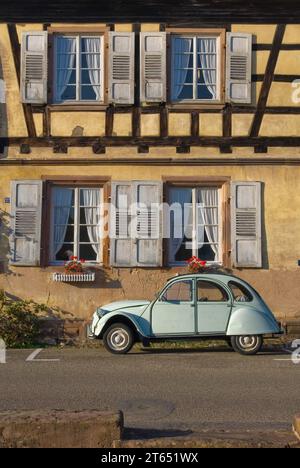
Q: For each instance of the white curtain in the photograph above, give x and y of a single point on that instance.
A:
(208, 197)
(182, 220)
(91, 198)
(181, 62)
(208, 50)
(66, 54)
(62, 208)
(92, 46)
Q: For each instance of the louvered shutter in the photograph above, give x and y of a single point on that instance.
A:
(153, 67)
(121, 240)
(246, 236)
(121, 69)
(26, 211)
(148, 199)
(34, 67)
(239, 68)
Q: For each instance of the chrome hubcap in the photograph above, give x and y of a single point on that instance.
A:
(119, 339)
(248, 342)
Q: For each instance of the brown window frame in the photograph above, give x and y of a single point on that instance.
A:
(221, 182)
(97, 182)
(194, 104)
(80, 105)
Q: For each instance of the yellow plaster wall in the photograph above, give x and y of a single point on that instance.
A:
(264, 32)
(260, 60)
(211, 125)
(38, 122)
(241, 124)
(123, 27)
(179, 124)
(282, 94)
(122, 125)
(150, 125)
(274, 125)
(292, 34)
(150, 27)
(288, 62)
(75, 123)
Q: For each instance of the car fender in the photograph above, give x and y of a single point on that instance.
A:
(251, 321)
(114, 317)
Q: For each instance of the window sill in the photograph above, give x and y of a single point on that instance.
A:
(188, 106)
(77, 107)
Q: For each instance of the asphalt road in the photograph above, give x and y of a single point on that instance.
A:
(180, 390)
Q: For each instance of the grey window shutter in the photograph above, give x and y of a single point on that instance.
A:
(246, 233)
(26, 212)
(121, 241)
(148, 241)
(239, 68)
(34, 67)
(153, 67)
(121, 68)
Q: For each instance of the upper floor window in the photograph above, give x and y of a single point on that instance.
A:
(78, 68)
(195, 73)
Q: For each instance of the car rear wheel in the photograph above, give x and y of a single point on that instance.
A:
(118, 338)
(248, 345)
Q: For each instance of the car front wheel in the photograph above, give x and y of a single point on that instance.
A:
(247, 345)
(118, 338)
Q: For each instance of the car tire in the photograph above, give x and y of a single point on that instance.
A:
(118, 338)
(247, 345)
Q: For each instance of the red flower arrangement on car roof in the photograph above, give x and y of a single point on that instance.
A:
(196, 265)
(74, 265)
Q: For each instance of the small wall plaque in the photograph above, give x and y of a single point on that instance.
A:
(7, 200)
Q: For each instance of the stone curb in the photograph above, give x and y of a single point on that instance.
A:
(60, 429)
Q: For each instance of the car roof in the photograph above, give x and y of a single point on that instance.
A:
(218, 275)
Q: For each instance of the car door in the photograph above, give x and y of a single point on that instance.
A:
(214, 306)
(174, 311)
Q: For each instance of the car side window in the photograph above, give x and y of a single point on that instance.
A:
(239, 292)
(181, 291)
(208, 291)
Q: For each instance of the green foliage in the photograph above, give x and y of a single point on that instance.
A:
(19, 321)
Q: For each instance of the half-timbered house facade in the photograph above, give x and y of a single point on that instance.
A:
(114, 111)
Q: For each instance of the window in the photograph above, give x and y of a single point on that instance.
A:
(240, 293)
(195, 224)
(195, 68)
(76, 224)
(78, 68)
(181, 291)
(210, 292)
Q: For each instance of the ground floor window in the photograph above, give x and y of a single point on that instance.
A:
(196, 227)
(76, 223)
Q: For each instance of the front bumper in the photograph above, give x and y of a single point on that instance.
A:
(89, 332)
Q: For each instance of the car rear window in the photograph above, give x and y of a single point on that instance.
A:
(240, 292)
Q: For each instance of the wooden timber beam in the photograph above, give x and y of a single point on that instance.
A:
(268, 79)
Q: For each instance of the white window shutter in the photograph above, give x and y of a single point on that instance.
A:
(121, 241)
(246, 223)
(153, 67)
(148, 200)
(239, 68)
(34, 67)
(121, 68)
(26, 215)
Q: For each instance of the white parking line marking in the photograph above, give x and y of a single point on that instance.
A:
(32, 356)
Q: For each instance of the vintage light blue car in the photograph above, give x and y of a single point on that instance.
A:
(193, 306)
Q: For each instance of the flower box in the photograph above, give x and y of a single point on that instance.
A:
(87, 277)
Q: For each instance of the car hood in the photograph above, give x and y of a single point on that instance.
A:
(125, 305)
